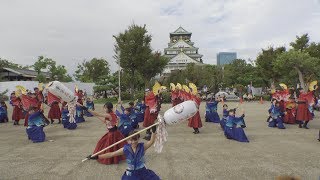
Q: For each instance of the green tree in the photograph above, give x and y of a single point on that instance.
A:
(314, 49)
(264, 65)
(106, 83)
(241, 72)
(132, 50)
(301, 43)
(153, 66)
(200, 75)
(92, 71)
(57, 72)
(297, 63)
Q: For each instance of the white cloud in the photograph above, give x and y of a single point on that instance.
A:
(70, 31)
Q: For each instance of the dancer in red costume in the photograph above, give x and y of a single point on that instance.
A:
(112, 136)
(17, 108)
(290, 115)
(195, 121)
(303, 114)
(153, 104)
(54, 112)
(39, 97)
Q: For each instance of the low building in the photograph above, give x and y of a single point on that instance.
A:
(10, 74)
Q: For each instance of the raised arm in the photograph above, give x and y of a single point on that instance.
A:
(152, 139)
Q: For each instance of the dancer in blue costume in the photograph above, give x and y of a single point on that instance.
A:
(276, 116)
(65, 116)
(90, 106)
(35, 126)
(79, 114)
(140, 109)
(134, 152)
(224, 116)
(132, 114)
(3, 112)
(211, 111)
(125, 124)
(234, 127)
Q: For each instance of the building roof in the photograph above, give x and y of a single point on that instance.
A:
(26, 72)
(180, 30)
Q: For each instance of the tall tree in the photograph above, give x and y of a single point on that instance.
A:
(92, 71)
(265, 62)
(132, 50)
(240, 72)
(301, 43)
(153, 66)
(305, 67)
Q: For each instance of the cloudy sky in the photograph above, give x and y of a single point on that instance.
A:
(70, 31)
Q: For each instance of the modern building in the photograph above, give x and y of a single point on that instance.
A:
(9, 74)
(180, 51)
(226, 57)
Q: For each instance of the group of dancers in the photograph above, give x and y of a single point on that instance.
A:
(124, 122)
(288, 109)
(232, 126)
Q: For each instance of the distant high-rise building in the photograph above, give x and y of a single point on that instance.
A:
(226, 57)
(180, 51)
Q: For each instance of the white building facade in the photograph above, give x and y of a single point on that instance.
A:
(180, 51)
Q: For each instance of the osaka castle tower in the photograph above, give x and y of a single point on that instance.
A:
(180, 51)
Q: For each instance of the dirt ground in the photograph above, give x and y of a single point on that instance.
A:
(205, 156)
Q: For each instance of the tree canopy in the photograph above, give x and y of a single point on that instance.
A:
(92, 71)
(57, 72)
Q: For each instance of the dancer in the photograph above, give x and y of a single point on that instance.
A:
(211, 110)
(40, 98)
(79, 95)
(303, 114)
(3, 112)
(195, 121)
(276, 116)
(54, 112)
(112, 136)
(35, 125)
(151, 112)
(65, 116)
(17, 109)
(125, 124)
(290, 115)
(134, 152)
(79, 113)
(224, 116)
(175, 95)
(234, 127)
(140, 110)
(89, 105)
